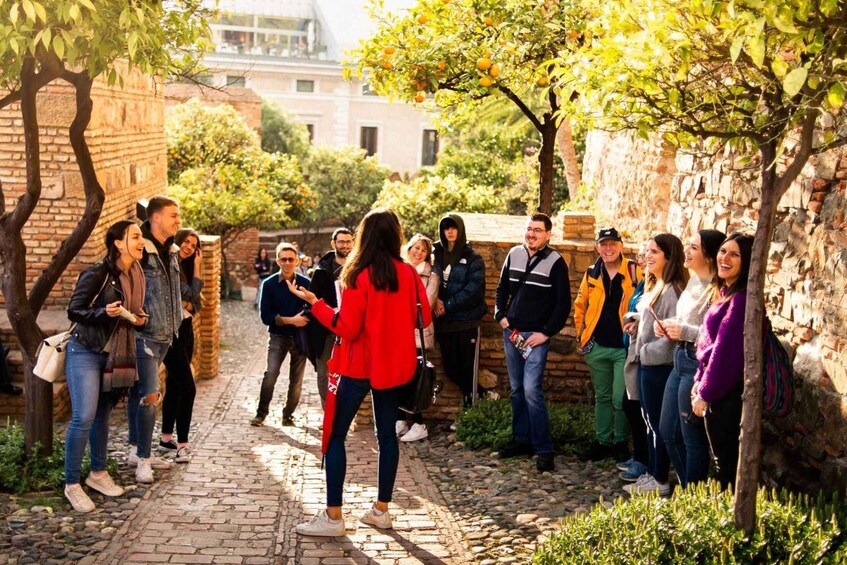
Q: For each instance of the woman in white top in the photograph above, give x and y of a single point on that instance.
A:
(410, 427)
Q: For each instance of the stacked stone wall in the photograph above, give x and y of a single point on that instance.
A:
(806, 278)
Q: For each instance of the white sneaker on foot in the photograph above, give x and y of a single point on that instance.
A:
(416, 432)
(104, 484)
(155, 462)
(144, 471)
(381, 521)
(78, 499)
(183, 455)
(648, 485)
(322, 525)
(401, 427)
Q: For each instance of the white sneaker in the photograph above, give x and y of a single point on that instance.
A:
(322, 525)
(144, 471)
(418, 431)
(155, 462)
(401, 427)
(104, 484)
(453, 427)
(78, 499)
(638, 482)
(183, 455)
(381, 521)
(649, 485)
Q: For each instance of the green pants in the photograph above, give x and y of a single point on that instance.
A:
(606, 365)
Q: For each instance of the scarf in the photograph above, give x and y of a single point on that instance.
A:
(121, 371)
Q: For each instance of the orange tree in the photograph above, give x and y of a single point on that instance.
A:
(73, 41)
(767, 77)
(452, 54)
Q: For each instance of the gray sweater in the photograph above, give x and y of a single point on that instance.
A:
(692, 306)
(654, 350)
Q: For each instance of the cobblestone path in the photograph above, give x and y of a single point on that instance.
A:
(245, 489)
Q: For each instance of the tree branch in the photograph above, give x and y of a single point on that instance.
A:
(807, 134)
(11, 98)
(523, 107)
(94, 194)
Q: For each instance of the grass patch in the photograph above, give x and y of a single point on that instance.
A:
(697, 526)
(488, 424)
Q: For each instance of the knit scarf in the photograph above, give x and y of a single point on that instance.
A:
(121, 371)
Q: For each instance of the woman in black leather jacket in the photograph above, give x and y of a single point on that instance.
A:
(104, 292)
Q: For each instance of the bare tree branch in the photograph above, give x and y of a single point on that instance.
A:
(522, 106)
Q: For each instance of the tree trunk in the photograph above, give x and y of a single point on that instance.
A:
(545, 161)
(564, 139)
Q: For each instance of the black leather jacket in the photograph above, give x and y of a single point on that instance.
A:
(94, 327)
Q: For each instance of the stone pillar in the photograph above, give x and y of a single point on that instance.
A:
(207, 326)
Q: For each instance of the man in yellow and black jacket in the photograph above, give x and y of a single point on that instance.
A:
(599, 308)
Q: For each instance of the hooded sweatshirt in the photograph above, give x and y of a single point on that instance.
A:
(462, 275)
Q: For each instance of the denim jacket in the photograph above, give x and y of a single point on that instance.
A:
(163, 298)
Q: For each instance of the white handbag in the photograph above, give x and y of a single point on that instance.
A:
(50, 359)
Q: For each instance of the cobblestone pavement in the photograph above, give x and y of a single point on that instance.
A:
(246, 488)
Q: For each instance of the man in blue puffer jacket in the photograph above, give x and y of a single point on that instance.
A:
(461, 301)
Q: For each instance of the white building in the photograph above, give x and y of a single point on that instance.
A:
(290, 51)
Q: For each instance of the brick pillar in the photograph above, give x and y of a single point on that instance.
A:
(577, 225)
(207, 326)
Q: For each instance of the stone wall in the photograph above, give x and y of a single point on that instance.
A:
(245, 100)
(807, 275)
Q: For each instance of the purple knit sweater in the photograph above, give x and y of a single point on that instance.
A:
(720, 348)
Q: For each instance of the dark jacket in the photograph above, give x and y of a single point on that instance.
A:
(463, 290)
(94, 327)
(323, 285)
(278, 300)
(543, 301)
(162, 297)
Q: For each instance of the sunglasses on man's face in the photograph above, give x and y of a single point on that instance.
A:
(287, 259)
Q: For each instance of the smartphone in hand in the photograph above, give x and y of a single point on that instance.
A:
(658, 321)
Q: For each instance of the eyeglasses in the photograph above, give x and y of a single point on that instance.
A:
(536, 231)
(287, 259)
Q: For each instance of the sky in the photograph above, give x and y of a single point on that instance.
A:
(349, 18)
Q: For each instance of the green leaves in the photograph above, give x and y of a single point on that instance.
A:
(794, 81)
(835, 96)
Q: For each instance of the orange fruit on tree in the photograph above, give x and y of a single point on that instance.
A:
(542, 81)
(442, 65)
(389, 50)
(488, 21)
(494, 71)
(483, 63)
(422, 19)
(387, 65)
(485, 81)
(420, 97)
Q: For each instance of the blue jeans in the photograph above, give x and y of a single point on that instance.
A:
(684, 432)
(141, 414)
(89, 410)
(351, 392)
(651, 382)
(530, 422)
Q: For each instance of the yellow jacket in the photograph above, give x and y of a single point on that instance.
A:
(592, 295)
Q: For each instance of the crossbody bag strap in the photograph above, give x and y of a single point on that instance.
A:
(420, 315)
(531, 264)
(93, 300)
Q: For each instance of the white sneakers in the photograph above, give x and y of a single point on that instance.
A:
(104, 484)
(322, 525)
(183, 455)
(647, 483)
(415, 433)
(401, 427)
(144, 471)
(155, 462)
(381, 520)
(78, 499)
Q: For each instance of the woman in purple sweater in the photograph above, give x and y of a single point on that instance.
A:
(720, 351)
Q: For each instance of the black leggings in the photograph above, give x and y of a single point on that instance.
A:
(637, 427)
(178, 404)
(457, 357)
(723, 426)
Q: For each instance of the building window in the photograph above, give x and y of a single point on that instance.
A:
(311, 129)
(366, 90)
(236, 81)
(367, 139)
(429, 151)
(305, 86)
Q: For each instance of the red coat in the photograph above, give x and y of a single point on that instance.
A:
(377, 329)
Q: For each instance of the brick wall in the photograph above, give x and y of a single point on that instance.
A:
(240, 255)
(806, 277)
(245, 100)
(566, 374)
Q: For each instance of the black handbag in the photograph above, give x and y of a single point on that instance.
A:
(420, 393)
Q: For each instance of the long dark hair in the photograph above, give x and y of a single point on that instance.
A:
(116, 232)
(745, 248)
(674, 275)
(378, 240)
(186, 265)
(710, 244)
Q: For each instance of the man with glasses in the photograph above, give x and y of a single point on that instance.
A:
(283, 313)
(323, 285)
(532, 304)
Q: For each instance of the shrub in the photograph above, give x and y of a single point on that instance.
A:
(697, 526)
(488, 424)
(19, 474)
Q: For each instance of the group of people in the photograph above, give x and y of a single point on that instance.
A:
(663, 339)
(131, 312)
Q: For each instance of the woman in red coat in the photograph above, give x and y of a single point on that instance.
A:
(375, 321)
